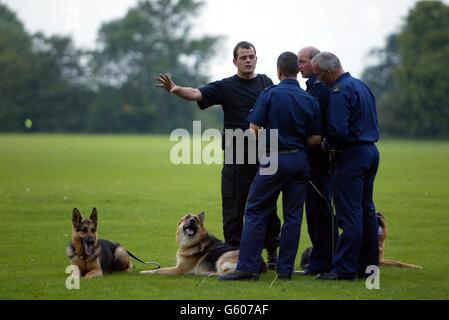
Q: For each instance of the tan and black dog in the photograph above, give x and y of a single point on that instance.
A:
(383, 233)
(382, 236)
(199, 251)
(91, 255)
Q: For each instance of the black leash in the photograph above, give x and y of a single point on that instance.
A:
(144, 262)
(317, 191)
(331, 205)
(332, 160)
(133, 256)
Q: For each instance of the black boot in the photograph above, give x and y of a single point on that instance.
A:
(239, 275)
(272, 259)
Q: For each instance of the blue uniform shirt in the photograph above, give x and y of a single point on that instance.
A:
(352, 115)
(320, 92)
(289, 109)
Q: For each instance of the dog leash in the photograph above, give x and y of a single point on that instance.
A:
(330, 206)
(144, 262)
(133, 256)
(316, 189)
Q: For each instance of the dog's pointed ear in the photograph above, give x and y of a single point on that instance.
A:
(94, 215)
(76, 217)
(201, 217)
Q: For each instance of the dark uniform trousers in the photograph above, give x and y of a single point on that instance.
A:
(321, 223)
(236, 180)
(353, 184)
(292, 179)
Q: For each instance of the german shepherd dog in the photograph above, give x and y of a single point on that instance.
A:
(199, 251)
(91, 255)
(382, 234)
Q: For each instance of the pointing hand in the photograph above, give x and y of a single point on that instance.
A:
(165, 82)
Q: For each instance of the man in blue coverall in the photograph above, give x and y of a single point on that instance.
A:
(321, 224)
(296, 117)
(351, 135)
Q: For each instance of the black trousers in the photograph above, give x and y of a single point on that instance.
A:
(236, 180)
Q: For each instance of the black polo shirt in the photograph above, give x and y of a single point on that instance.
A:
(237, 97)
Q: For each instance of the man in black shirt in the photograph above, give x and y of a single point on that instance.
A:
(237, 96)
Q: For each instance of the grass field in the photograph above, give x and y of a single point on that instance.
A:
(140, 196)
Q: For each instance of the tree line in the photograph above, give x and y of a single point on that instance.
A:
(49, 85)
(411, 79)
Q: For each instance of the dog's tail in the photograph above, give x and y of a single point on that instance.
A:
(157, 265)
(399, 264)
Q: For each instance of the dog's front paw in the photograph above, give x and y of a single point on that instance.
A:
(94, 274)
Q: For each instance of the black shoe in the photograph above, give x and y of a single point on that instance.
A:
(284, 276)
(307, 272)
(334, 276)
(363, 275)
(272, 259)
(272, 263)
(239, 275)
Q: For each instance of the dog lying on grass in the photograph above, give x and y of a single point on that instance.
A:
(199, 251)
(383, 234)
(91, 255)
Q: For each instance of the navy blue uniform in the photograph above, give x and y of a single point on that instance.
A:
(237, 97)
(295, 114)
(321, 224)
(353, 130)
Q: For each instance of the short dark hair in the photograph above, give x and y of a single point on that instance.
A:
(244, 45)
(288, 63)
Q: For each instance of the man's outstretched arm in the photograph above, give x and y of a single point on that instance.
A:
(187, 93)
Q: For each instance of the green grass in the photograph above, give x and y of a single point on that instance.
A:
(140, 196)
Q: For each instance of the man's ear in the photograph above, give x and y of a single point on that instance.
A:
(234, 61)
(279, 73)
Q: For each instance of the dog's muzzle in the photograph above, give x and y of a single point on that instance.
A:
(89, 244)
(190, 228)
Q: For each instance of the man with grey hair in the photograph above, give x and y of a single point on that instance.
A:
(321, 223)
(352, 131)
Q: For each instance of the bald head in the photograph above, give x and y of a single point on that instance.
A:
(305, 55)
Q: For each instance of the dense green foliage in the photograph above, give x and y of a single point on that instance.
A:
(111, 88)
(411, 81)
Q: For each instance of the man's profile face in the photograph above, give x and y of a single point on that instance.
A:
(245, 61)
(322, 75)
(305, 67)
